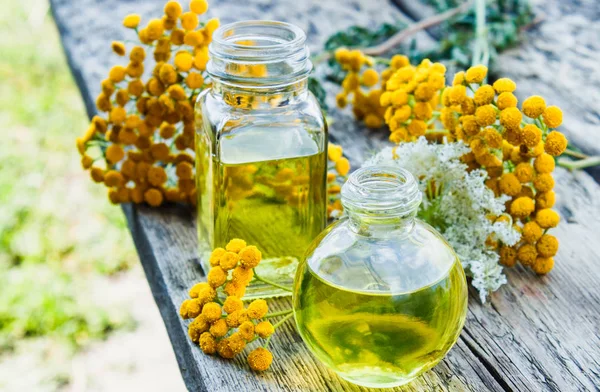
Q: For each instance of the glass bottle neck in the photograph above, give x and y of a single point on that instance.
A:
(381, 201)
(252, 97)
(263, 59)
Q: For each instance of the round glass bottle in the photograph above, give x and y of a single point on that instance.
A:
(380, 297)
(261, 142)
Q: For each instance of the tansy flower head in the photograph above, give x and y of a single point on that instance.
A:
(534, 106)
(208, 343)
(246, 330)
(219, 328)
(556, 143)
(508, 256)
(211, 312)
(510, 118)
(250, 256)
(484, 95)
(543, 265)
(531, 232)
(228, 260)
(504, 85)
(522, 207)
(215, 256)
(257, 309)
(547, 218)
(547, 246)
(264, 329)
(118, 48)
(527, 254)
(543, 182)
(216, 277)
(232, 304)
(545, 199)
(197, 328)
(131, 21)
(552, 116)
(235, 245)
(544, 163)
(476, 74)
(260, 359)
(509, 184)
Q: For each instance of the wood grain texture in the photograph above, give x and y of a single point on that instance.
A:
(536, 334)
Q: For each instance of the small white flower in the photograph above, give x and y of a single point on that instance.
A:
(460, 207)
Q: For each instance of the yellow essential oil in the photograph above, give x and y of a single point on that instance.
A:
(278, 205)
(380, 296)
(379, 339)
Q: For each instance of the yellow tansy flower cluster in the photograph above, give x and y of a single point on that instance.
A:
(516, 147)
(365, 103)
(338, 170)
(222, 324)
(141, 144)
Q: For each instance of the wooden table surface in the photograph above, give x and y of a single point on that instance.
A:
(535, 334)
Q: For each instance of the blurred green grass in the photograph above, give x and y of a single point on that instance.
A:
(57, 229)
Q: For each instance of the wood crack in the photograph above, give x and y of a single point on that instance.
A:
(470, 343)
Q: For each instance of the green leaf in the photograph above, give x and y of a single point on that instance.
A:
(319, 92)
(356, 36)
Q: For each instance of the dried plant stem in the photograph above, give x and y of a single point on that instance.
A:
(580, 164)
(397, 38)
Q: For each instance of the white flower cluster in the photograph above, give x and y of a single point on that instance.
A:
(458, 204)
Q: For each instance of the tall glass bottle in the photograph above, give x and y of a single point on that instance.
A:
(261, 146)
(381, 297)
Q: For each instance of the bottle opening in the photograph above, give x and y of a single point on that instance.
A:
(259, 53)
(381, 190)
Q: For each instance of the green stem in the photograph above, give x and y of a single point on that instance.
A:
(575, 154)
(481, 52)
(283, 320)
(283, 312)
(581, 164)
(267, 342)
(267, 281)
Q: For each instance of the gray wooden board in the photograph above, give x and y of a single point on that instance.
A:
(536, 333)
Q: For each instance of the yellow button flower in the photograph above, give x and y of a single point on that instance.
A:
(509, 184)
(544, 163)
(504, 85)
(173, 9)
(556, 143)
(531, 232)
(118, 48)
(264, 329)
(208, 343)
(543, 265)
(552, 116)
(235, 245)
(527, 254)
(547, 218)
(531, 135)
(484, 95)
(132, 21)
(257, 309)
(189, 21)
(199, 6)
(507, 100)
(260, 359)
(534, 106)
(547, 246)
(232, 304)
(545, 199)
(543, 182)
(216, 277)
(522, 207)
(153, 197)
(511, 118)
(508, 256)
(476, 74)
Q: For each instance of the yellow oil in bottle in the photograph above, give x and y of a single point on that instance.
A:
(379, 339)
(272, 196)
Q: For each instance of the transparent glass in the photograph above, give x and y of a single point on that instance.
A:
(261, 140)
(380, 297)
